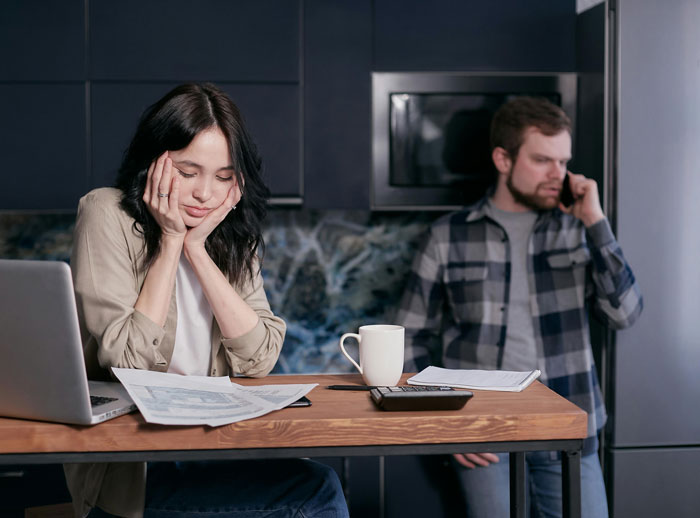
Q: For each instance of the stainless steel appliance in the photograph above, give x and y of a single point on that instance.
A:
(653, 157)
(430, 141)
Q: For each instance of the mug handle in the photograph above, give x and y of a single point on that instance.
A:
(342, 348)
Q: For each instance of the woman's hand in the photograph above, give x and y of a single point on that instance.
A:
(162, 194)
(233, 314)
(196, 236)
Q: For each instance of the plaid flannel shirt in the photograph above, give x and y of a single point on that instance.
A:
(455, 305)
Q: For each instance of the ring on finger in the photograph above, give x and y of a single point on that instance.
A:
(162, 195)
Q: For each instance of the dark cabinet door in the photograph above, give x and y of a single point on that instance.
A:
(42, 41)
(42, 104)
(448, 35)
(271, 112)
(337, 64)
(73, 109)
(204, 40)
(43, 146)
(139, 50)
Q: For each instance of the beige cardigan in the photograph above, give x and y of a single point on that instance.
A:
(107, 252)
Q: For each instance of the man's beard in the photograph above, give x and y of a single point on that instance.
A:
(531, 201)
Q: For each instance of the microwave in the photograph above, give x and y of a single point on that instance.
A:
(430, 133)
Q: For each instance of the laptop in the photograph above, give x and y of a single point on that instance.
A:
(42, 370)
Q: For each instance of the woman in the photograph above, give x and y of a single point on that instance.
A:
(167, 279)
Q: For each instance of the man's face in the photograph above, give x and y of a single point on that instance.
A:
(535, 178)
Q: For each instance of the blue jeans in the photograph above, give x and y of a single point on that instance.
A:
(486, 489)
(287, 488)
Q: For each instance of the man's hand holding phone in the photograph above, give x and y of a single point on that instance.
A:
(579, 197)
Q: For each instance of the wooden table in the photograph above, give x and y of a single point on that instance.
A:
(339, 423)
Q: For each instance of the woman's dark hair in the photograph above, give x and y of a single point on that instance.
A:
(170, 125)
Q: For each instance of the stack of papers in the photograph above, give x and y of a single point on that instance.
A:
(509, 381)
(166, 398)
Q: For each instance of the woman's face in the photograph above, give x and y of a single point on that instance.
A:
(206, 175)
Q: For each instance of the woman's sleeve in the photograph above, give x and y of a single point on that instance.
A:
(255, 353)
(104, 269)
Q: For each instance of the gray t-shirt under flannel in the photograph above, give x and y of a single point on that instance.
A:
(520, 351)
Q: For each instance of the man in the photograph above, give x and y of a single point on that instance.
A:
(506, 283)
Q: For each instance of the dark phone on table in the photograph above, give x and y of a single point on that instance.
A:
(302, 401)
(566, 197)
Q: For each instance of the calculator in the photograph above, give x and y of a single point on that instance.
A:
(419, 398)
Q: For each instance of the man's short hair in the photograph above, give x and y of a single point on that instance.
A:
(514, 117)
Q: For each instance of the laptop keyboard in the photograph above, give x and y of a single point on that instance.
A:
(100, 400)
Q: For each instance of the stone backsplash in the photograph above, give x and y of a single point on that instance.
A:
(326, 272)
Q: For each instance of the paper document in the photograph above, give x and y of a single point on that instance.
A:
(509, 381)
(166, 398)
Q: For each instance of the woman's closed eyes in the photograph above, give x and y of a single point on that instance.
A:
(192, 175)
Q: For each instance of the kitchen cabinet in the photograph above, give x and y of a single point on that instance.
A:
(43, 145)
(42, 41)
(74, 107)
(299, 69)
(271, 112)
(207, 40)
(337, 88)
(509, 35)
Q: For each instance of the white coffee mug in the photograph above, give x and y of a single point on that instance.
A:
(381, 353)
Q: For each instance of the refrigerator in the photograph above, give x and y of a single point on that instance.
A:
(652, 194)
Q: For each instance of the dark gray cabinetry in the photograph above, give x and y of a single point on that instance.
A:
(42, 104)
(139, 50)
(413, 35)
(43, 145)
(271, 111)
(76, 76)
(337, 65)
(42, 41)
(300, 69)
(212, 40)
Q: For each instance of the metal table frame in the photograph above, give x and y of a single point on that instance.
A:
(570, 458)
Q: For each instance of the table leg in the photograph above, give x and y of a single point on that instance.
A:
(571, 483)
(517, 484)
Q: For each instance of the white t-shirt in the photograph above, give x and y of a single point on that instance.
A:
(192, 353)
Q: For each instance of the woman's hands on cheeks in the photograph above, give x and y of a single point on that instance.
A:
(197, 236)
(586, 206)
(164, 209)
(472, 460)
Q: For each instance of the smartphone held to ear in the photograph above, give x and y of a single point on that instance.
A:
(566, 197)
